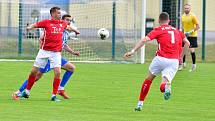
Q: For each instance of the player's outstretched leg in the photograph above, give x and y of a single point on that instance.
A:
(31, 81)
(16, 95)
(70, 68)
(144, 91)
(65, 79)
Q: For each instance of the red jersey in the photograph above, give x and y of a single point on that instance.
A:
(53, 32)
(169, 41)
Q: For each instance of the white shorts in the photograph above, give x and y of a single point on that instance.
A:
(167, 67)
(43, 56)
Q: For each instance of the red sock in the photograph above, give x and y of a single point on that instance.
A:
(145, 89)
(162, 87)
(56, 84)
(31, 80)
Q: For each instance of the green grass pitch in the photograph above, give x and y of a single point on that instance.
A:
(109, 92)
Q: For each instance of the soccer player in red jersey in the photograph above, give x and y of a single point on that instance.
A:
(50, 49)
(166, 61)
(66, 65)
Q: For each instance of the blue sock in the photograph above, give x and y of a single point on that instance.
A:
(65, 78)
(24, 85)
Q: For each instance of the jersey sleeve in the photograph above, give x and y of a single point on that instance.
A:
(41, 24)
(153, 34)
(195, 20)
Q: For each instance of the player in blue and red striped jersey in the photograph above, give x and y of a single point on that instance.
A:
(167, 57)
(50, 49)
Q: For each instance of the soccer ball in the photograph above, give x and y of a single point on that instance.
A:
(103, 33)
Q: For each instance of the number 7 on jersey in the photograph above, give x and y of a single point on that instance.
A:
(172, 36)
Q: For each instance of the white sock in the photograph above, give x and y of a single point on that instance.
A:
(27, 92)
(140, 103)
(53, 95)
(17, 92)
(60, 88)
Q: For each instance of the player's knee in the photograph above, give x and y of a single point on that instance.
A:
(192, 50)
(57, 73)
(150, 77)
(71, 68)
(34, 71)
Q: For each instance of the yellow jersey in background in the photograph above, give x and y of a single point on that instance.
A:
(189, 23)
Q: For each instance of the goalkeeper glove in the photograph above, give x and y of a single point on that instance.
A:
(187, 34)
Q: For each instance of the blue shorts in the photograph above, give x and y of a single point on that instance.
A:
(47, 67)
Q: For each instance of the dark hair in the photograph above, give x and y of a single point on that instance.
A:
(66, 15)
(164, 16)
(53, 9)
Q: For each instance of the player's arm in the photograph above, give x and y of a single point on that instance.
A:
(31, 27)
(196, 22)
(71, 28)
(70, 50)
(136, 47)
(186, 46)
(40, 24)
(186, 43)
(197, 27)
